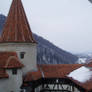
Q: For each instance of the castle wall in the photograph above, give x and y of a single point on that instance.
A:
(13, 83)
(30, 55)
(61, 87)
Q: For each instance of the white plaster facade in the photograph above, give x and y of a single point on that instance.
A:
(30, 56)
(13, 83)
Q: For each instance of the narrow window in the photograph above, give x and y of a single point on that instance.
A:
(14, 71)
(22, 55)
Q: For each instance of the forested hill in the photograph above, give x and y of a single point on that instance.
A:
(2, 21)
(48, 53)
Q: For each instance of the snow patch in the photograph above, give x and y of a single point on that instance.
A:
(82, 74)
(81, 60)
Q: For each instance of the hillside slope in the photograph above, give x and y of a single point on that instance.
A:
(48, 53)
(2, 21)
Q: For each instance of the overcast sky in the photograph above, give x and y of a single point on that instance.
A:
(66, 23)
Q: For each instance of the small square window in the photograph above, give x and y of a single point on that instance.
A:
(14, 71)
(22, 55)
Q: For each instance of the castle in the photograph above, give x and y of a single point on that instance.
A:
(17, 49)
(18, 69)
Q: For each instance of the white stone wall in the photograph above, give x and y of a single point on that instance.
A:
(38, 89)
(13, 83)
(30, 50)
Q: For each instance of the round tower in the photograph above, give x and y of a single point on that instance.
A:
(17, 36)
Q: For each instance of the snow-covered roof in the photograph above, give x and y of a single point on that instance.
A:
(82, 74)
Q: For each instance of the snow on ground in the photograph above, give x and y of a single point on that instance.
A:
(81, 74)
(81, 60)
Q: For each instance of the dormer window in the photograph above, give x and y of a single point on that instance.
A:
(14, 71)
(22, 55)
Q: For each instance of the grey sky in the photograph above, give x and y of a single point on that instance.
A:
(66, 23)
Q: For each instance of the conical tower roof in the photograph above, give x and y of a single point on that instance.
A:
(16, 28)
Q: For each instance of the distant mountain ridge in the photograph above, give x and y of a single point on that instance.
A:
(90, 1)
(48, 53)
(2, 21)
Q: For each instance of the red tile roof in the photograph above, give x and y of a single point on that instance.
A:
(86, 85)
(9, 60)
(33, 76)
(57, 71)
(51, 71)
(16, 28)
(3, 74)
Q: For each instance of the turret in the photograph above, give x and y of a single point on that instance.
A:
(17, 37)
